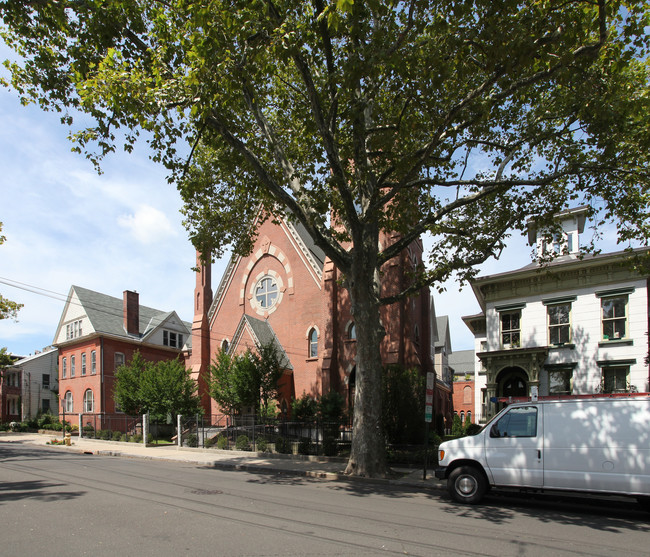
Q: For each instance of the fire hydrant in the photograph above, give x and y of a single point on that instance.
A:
(68, 441)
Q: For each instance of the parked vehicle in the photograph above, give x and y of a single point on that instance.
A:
(586, 445)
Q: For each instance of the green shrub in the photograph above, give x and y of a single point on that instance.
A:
(456, 426)
(209, 442)
(117, 435)
(222, 443)
(305, 445)
(304, 409)
(283, 445)
(330, 446)
(192, 440)
(104, 434)
(150, 438)
(472, 429)
(88, 431)
(124, 438)
(262, 444)
(242, 443)
(137, 438)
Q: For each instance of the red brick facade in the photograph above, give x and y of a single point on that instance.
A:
(308, 296)
(464, 400)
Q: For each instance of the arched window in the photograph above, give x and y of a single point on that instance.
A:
(313, 343)
(89, 401)
(352, 331)
(467, 394)
(469, 417)
(67, 399)
(224, 346)
(462, 416)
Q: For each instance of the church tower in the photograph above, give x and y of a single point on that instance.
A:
(200, 359)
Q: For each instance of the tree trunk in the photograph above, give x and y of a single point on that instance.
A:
(368, 455)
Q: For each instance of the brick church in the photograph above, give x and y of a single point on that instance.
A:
(289, 293)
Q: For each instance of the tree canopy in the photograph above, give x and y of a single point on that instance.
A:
(458, 119)
(8, 309)
(162, 388)
(245, 380)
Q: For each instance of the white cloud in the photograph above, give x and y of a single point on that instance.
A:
(148, 225)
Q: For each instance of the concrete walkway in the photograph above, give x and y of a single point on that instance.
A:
(297, 465)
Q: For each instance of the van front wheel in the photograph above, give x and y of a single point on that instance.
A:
(466, 484)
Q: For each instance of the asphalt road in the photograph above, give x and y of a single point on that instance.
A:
(57, 503)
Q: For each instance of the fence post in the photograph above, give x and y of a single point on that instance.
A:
(145, 428)
(81, 419)
(179, 431)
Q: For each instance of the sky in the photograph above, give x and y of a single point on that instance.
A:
(122, 230)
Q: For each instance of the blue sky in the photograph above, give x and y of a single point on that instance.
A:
(121, 230)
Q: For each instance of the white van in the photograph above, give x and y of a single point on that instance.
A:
(599, 445)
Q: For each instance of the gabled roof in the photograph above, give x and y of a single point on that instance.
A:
(263, 334)
(106, 314)
(314, 257)
(444, 338)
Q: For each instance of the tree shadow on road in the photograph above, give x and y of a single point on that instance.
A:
(39, 490)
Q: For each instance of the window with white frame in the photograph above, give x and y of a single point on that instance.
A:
(119, 359)
(73, 330)
(72, 366)
(172, 339)
(67, 402)
(46, 380)
(13, 406)
(93, 362)
(559, 381)
(266, 292)
(615, 379)
(313, 343)
(64, 368)
(614, 316)
(510, 328)
(83, 363)
(559, 323)
(89, 401)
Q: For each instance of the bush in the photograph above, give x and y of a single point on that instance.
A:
(305, 446)
(403, 404)
(88, 431)
(222, 443)
(104, 434)
(209, 442)
(330, 446)
(242, 443)
(283, 445)
(117, 435)
(304, 409)
(192, 440)
(472, 429)
(261, 444)
(456, 426)
(124, 438)
(137, 438)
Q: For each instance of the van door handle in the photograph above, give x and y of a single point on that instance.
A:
(539, 454)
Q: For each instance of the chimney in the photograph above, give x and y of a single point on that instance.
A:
(131, 312)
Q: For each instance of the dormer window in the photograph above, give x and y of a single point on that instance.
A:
(172, 339)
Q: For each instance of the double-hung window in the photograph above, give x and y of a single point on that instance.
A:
(510, 328)
(559, 323)
(615, 379)
(614, 317)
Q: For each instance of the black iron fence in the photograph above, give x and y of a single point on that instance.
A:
(110, 427)
(249, 433)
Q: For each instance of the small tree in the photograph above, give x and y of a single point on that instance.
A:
(126, 392)
(221, 384)
(167, 389)
(304, 409)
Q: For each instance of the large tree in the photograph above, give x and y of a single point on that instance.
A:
(454, 118)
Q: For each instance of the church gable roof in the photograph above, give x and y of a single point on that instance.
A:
(262, 334)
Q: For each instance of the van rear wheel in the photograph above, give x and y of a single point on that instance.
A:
(644, 501)
(466, 484)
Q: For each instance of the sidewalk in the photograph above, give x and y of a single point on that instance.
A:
(296, 465)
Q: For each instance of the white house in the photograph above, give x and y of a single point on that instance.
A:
(577, 326)
(38, 378)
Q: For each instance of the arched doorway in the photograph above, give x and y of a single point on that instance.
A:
(512, 382)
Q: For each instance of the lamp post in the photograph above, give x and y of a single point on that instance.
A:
(63, 419)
